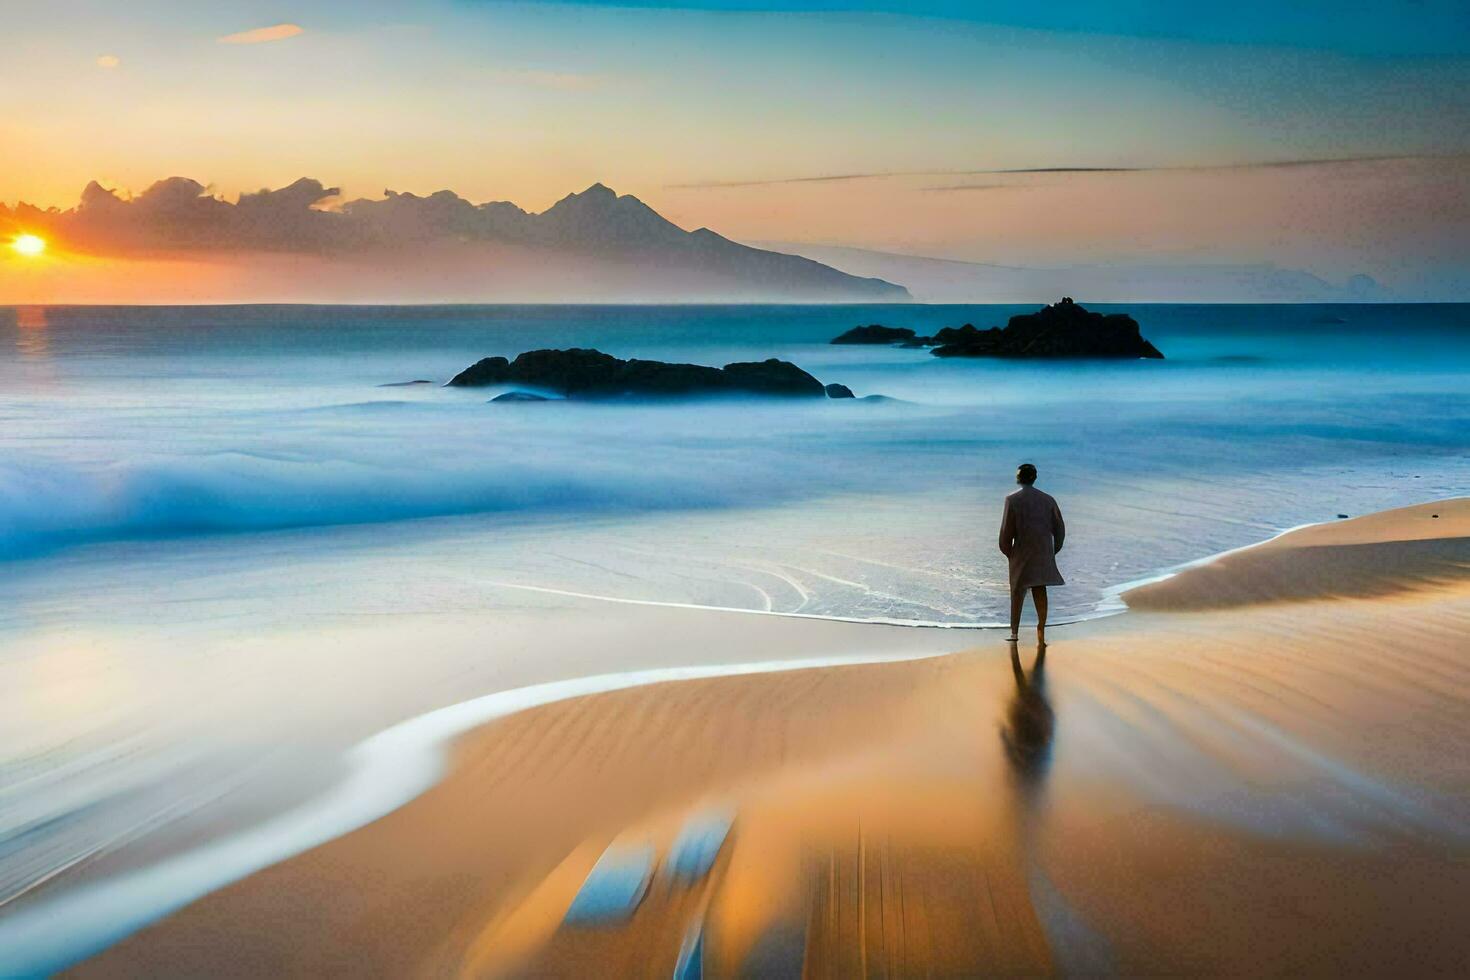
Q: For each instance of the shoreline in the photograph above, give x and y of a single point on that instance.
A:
(777, 614)
(1113, 596)
(429, 737)
(91, 919)
(1109, 605)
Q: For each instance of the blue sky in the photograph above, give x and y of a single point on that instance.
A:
(1348, 26)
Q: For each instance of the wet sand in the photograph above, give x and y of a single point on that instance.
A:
(1263, 768)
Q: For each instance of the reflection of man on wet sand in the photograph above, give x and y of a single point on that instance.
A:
(1029, 719)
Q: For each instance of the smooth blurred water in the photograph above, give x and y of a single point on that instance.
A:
(156, 424)
(195, 503)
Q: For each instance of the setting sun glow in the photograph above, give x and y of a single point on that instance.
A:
(28, 244)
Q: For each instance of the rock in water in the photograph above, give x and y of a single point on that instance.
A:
(557, 370)
(875, 333)
(520, 396)
(579, 373)
(772, 377)
(1061, 330)
(835, 390)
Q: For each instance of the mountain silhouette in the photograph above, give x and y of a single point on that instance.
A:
(599, 220)
(598, 217)
(591, 246)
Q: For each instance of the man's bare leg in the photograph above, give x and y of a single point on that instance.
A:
(1038, 599)
(1018, 599)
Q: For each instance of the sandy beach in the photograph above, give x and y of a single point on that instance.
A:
(1260, 768)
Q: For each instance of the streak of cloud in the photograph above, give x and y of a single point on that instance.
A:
(974, 187)
(822, 178)
(1073, 170)
(108, 61)
(888, 174)
(262, 35)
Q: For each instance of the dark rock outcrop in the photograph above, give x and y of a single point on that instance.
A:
(405, 384)
(960, 335)
(1062, 330)
(835, 390)
(875, 333)
(579, 373)
(772, 377)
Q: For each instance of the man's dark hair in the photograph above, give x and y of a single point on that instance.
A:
(1026, 473)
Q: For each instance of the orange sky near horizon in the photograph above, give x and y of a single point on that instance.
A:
(1343, 217)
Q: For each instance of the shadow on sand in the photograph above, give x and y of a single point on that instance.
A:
(1029, 722)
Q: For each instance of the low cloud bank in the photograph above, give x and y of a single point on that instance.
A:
(181, 215)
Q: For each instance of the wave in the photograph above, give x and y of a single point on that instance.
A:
(335, 467)
(784, 614)
(43, 506)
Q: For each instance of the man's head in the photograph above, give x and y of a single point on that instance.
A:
(1025, 474)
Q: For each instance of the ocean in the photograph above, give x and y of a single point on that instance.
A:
(208, 513)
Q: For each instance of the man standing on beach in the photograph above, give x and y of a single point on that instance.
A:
(1031, 533)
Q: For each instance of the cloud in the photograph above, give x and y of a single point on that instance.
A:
(262, 35)
(974, 187)
(180, 215)
(886, 174)
(1071, 170)
(108, 61)
(819, 179)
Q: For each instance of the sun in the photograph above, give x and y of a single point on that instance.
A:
(28, 244)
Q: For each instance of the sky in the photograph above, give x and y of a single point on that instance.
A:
(868, 123)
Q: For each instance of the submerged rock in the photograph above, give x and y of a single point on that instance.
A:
(405, 384)
(520, 396)
(835, 390)
(580, 373)
(875, 333)
(1062, 330)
